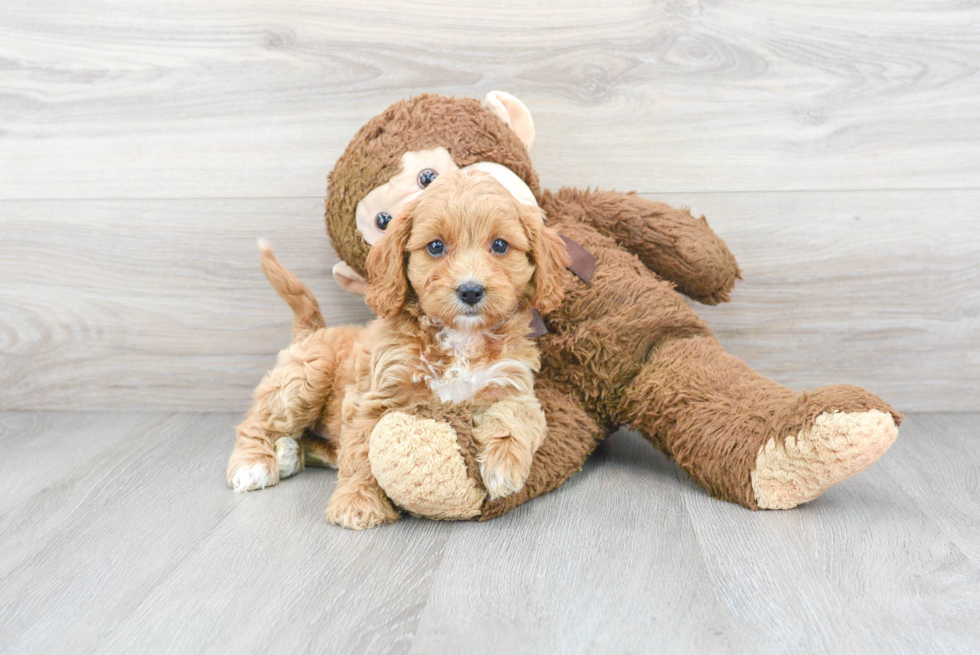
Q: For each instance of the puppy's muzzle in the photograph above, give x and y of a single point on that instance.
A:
(470, 293)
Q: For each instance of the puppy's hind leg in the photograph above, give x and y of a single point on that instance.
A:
(288, 400)
(293, 456)
(318, 450)
(358, 502)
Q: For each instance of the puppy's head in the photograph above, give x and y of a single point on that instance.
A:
(468, 253)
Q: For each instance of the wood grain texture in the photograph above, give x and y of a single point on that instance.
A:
(240, 98)
(143, 147)
(871, 572)
(146, 544)
(147, 304)
(122, 537)
(943, 478)
(153, 304)
(611, 565)
(876, 289)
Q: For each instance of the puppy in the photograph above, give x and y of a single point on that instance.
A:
(453, 280)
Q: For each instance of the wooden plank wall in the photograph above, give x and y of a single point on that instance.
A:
(144, 147)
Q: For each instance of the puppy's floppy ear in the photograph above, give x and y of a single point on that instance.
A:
(550, 256)
(387, 283)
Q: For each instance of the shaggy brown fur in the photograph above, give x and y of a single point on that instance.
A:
(428, 345)
(624, 349)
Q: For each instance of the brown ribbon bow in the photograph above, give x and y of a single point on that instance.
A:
(583, 265)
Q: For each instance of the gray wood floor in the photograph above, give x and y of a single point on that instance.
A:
(118, 535)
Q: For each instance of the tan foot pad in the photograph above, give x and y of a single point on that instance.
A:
(418, 464)
(837, 446)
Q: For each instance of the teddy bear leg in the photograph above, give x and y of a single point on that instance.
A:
(834, 447)
(418, 460)
(426, 459)
(748, 439)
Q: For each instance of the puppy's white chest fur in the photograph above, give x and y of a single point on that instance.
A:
(460, 381)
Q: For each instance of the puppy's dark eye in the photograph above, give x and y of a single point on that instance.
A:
(382, 220)
(499, 246)
(436, 248)
(426, 177)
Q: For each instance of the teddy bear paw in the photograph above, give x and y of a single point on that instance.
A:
(837, 446)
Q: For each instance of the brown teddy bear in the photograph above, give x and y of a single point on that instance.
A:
(623, 349)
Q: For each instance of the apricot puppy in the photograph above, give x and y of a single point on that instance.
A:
(454, 279)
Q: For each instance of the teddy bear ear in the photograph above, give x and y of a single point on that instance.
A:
(349, 280)
(513, 112)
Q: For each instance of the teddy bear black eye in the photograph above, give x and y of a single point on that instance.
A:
(436, 248)
(499, 246)
(382, 220)
(426, 177)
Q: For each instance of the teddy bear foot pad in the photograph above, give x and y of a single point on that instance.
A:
(837, 446)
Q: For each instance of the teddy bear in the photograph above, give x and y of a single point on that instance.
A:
(624, 348)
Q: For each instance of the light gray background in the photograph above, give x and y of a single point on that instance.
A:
(144, 146)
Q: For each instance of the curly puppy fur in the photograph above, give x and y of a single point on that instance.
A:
(429, 344)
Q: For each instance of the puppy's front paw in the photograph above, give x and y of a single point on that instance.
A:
(357, 509)
(504, 466)
(258, 474)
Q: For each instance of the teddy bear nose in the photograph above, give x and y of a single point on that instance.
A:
(470, 293)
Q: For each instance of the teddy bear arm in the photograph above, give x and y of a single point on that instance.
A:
(671, 242)
(425, 457)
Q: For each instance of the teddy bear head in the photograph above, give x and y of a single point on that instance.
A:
(399, 152)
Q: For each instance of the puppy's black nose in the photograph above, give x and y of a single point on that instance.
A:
(470, 293)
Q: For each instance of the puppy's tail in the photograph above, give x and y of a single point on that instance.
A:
(308, 318)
